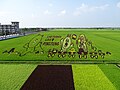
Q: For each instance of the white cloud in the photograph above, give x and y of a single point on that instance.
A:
(33, 16)
(4, 13)
(62, 13)
(50, 4)
(118, 4)
(84, 8)
(47, 12)
(103, 7)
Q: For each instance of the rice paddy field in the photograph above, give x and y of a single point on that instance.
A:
(86, 77)
(105, 40)
(102, 76)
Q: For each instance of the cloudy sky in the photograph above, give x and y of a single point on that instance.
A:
(61, 13)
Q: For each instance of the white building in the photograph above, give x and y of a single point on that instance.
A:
(12, 28)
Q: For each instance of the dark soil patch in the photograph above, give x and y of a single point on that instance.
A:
(50, 77)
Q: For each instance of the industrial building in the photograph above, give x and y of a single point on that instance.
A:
(9, 29)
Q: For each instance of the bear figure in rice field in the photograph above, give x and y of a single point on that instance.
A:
(82, 46)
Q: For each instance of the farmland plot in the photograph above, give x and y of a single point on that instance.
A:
(90, 77)
(86, 77)
(112, 72)
(13, 76)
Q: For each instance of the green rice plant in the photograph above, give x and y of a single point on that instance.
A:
(112, 72)
(90, 77)
(13, 76)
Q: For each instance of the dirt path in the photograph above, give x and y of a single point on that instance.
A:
(50, 77)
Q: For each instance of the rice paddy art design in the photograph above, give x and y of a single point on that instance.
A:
(71, 46)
